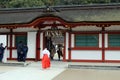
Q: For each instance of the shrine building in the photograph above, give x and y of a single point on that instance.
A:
(87, 33)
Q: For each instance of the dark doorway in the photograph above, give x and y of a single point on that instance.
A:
(55, 44)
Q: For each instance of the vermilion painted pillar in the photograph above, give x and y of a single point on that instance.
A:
(103, 44)
(11, 31)
(69, 49)
(38, 46)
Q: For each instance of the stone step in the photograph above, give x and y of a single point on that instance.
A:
(94, 67)
(14, 64)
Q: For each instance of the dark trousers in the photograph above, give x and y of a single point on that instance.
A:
(20, 56)
(59, 54)
(1, 57)
(24, 56)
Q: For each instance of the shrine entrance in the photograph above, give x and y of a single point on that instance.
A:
(51, 35)
(54, 42)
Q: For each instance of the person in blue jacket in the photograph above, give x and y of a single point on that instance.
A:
(1, 51)
(19, 51)
(25, 50)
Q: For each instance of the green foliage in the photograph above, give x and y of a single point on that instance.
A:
(39, 3)
(51, 2)
(25, 3)
(4, 3)
(78, 2)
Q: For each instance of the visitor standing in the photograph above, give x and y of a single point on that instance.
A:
(19, 51)
(1, 51)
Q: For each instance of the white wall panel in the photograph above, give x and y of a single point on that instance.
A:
(14, 53)
(112, 55)
(41, 44)
(13, 40)
(106, 40)
(3, 39)
(31, 36)
(8, 40)
(86, 28)
(67, 44)
(86, 55)
(113, 27)
(4, 30)
(8, 54)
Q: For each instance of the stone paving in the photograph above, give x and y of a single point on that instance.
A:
(33, 71)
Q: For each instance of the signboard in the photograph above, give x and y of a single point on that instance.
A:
(58, 40)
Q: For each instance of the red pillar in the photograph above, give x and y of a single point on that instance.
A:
(103, 44)
(38, 46)
(11, 31)
(69, 49)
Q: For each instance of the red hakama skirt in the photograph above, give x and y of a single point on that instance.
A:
(45, 61)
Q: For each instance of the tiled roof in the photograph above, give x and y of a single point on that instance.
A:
(94, 13)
